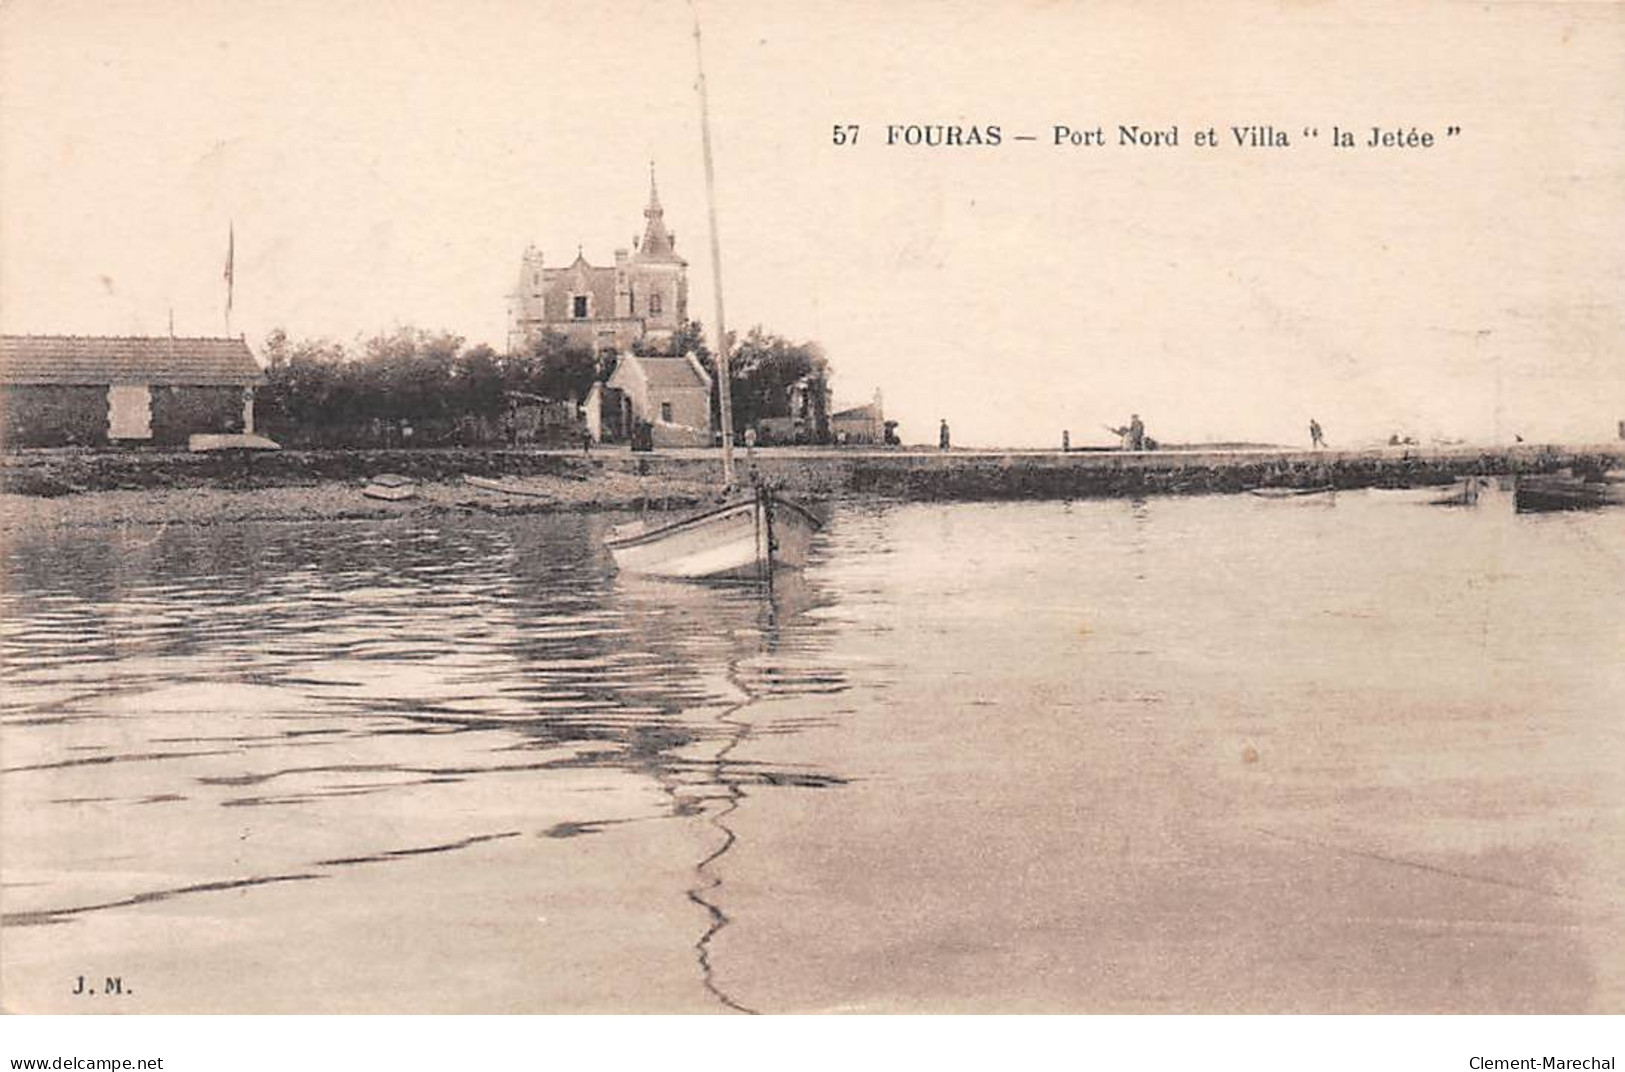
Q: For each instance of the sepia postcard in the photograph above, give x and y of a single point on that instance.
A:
(812, 507)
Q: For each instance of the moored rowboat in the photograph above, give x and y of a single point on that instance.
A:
(742, 539)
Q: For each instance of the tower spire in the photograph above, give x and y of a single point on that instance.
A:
(657, 244)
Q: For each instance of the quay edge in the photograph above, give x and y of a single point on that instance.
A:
(816, 472)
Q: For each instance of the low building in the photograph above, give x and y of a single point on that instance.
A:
(531, 419)
(805, 418)
(671, 394)
(862, 424)
(78, 390)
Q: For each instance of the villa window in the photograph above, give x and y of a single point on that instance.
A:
(654, 305)
(578, 307)
(665, 413)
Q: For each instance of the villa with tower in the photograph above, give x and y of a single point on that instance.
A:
(642, 297)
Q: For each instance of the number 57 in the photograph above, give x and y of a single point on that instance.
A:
(846, 134)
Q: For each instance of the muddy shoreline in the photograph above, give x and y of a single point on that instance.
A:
(66, 488)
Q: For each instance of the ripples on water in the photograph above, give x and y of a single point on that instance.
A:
(974, 747)
(159, 681)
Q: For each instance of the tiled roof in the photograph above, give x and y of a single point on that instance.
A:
(90, 359)
(670, 372)
(871, 412)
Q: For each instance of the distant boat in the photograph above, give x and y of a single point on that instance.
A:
(391, 487)
(1464, 493)
(740, 539)
(1291, 493)
(1568, 491)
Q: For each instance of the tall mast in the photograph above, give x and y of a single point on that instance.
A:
(724, 365)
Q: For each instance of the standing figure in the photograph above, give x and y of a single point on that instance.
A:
(1136, 433)
(1316, 439)
(1066, 440)
(942, 435)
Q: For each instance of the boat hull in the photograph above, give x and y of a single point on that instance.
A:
(1291, 493)
(741, 540)
(1465, 493)
(1539, 493)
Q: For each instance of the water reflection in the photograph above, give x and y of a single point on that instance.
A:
(362, 680)
(1187, 754)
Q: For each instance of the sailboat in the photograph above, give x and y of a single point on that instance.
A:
(743, 536)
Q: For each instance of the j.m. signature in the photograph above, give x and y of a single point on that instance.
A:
(111, 985)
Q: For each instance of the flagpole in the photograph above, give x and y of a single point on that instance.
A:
(231, 273)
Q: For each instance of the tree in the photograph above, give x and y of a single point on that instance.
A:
(307, 389)
(553, 367)
(406, 376)
(688, 339)
(765, 369)
(477, 383)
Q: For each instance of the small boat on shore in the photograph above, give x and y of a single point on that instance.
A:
(210, 442)
(391, 487)
(1291, 493)
(1567, 490)
(504, 487)
(740, 538)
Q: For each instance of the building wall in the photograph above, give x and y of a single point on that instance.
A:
(53, 415)
(658, 295)
(595, 334)
(561, 286)
(857, 429)
(676, 435)
(59, 415)
(633, 301)
(690, 406)
(180, 412)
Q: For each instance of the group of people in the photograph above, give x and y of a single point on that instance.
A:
(1133, 434)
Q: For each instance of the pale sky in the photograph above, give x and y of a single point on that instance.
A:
(386, 163)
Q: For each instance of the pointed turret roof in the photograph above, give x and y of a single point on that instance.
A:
(657, 244)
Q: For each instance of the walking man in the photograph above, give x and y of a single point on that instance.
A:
(1316, 439)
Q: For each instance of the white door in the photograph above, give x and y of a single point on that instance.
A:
(129, 411)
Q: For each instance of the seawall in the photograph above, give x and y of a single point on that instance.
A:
(930, 475)
(818, 473)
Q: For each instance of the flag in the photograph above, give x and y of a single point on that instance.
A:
(231, 256)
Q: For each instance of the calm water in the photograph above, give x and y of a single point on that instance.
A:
(1187, 754)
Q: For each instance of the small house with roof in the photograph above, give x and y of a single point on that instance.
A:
(863, 424)
(67, 390)
(671, 394)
